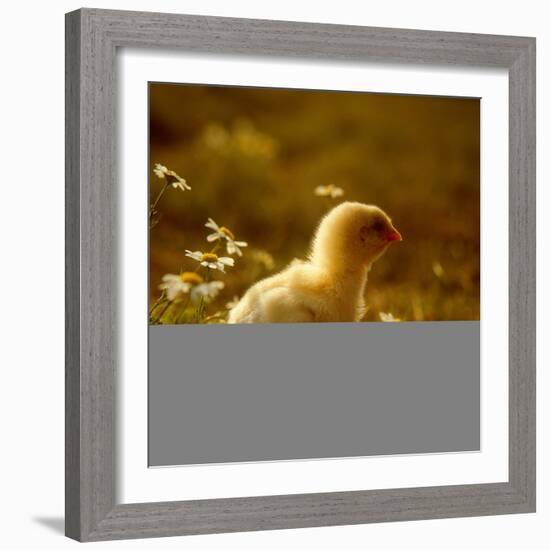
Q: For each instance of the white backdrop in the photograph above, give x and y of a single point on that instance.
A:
(32, 123)
(140, 484)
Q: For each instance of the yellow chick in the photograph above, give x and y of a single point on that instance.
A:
(330, 285)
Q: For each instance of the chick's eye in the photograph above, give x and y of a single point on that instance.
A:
(378, 226)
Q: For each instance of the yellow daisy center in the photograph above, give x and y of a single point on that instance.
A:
(190, 277)
(209, 257)
(227, 233)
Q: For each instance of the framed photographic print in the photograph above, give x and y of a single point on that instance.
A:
(300, 275)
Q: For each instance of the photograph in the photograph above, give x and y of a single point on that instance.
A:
(272, 205)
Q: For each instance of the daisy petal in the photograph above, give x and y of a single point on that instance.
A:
(212, 224)
(197, 255)
(226, 261)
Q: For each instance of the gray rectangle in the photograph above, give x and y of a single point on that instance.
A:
(241, 393)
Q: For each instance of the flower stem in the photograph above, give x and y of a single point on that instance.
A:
(200, 309)
(161, 300)
(163, 311)
(159, 196)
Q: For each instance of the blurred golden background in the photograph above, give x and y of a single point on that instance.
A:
(254, 157)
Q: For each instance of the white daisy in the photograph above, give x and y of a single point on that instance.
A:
(388, 318)
(210, 260)
(206, 291)
(330, 190)
(171, 177)
(222, 233)
(232, 303)
(178, 285)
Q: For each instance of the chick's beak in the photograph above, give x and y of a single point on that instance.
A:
(394, 235)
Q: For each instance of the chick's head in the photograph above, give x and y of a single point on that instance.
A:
(352, 235)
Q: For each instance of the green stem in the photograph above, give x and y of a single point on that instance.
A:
(159, 196)
(164, 311)
(200, 309)
(180, 316)
(159, 301)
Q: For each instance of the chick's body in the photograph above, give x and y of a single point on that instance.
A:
(303, 292)
(330, 286)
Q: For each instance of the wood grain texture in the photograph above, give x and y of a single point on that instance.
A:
(72, 277)
(92, 37)
(91, 336)
(522, 275)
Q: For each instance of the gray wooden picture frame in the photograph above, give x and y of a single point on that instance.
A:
(92, 39)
